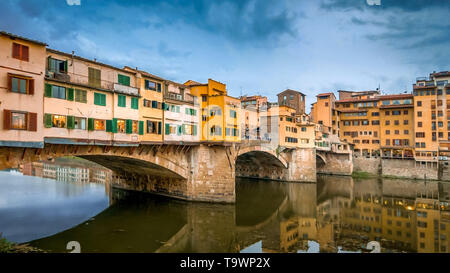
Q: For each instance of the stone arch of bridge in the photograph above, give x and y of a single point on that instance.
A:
(262, 153)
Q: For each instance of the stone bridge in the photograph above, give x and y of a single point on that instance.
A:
(201, 172)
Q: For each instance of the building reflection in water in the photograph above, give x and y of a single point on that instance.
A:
(70, 169)
(338, 214)
(404, 216)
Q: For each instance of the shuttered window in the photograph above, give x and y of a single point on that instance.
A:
(134, 103)
(22, 85)
(20, 52)
(94, 77)
(141, 127)
(100, 99)
(124, 80)
(122, 101)
(129, 126)
(70, 94)
(80, 95)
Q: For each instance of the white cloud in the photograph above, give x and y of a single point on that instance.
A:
(73, 2)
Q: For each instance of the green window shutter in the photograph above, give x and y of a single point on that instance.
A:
(114, 125)
(121, 101)
(186, 110)
(167, 129)
(109, 126)
(90, 124)
(103, 99)
(96, 101)
(124, 80)
(179, 130)
(129, 126)
(183, 129)
(48, 90)
(159, 128)
(178, 109)
(70, 94)
(163, 106)
(70, 122)
(134, 103)
(48, 120)
(65, 67)
(195, 130)
(141, 127)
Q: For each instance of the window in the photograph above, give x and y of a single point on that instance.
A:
(121, 126)
(23, 85)
(388, 142)
(153, 127)
(80, 95)
(396, 113)
(406, 132)
(405, 122)
(58, 121)
(158, 87)
(388, 132)
(58, 92)
(387, 113)
(419, 113)
(420, 134)
(99, 125)
(204, 98)
(121, 100)
(80, 123)
(233, 114)
(135, 103)
(419, 103)
(375, 122)
(55, 65)
(18, 121)
(387, 122)
(123, 80)
(375, 114)
(20, 52)
(396, 122)
(100, 99)
(94, 77)
(149, 85)
(419, 124)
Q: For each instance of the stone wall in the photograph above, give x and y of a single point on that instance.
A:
(409, 169)
(212, 173)
(335, 164)
(370, 165)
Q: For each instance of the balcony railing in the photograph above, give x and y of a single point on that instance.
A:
(126, 89)
(179, 97)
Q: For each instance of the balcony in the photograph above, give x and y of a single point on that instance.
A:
(57, 76)
(127, 90)
(180, 97)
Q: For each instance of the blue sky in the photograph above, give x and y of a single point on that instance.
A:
(254, 46)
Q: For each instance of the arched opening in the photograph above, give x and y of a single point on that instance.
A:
(260, 164)
(320, 162)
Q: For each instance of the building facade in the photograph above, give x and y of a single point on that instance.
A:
(22, 71)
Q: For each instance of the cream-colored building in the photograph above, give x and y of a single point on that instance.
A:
(22, 70)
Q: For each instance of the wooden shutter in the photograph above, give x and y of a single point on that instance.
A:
(16, 51)
(167, 129)
(90, 124)
(47, 120)
(9, 83)
(114, 125)
(25, 53)
(141, 127)
(109, 126)
(70, 94)
(195, 130)
(70, 122)
(48, 90)
(65, 67)
(129, 126)
(31, 86)
(159, 128)
(6, 119)
(32, 122)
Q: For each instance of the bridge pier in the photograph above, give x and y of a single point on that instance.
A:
(302, 165)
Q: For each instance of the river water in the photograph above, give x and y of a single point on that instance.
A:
(336, 214)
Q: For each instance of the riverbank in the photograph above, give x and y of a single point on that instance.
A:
(9, 247)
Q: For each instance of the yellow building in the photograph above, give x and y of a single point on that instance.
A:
(432, 116)
(279, 125)
(359, 124)
(397, 126)
(151, 106)
(220, 113)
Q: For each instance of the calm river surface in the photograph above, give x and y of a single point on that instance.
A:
(338, 214)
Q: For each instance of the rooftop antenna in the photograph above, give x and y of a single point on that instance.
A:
(241, 91)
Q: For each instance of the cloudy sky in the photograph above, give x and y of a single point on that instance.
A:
(254, 46)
